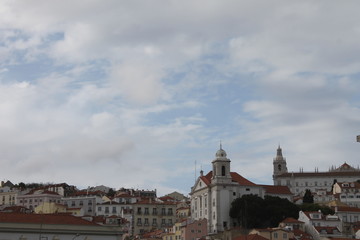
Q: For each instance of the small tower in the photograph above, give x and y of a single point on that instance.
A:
(221, 167)
(279, 163)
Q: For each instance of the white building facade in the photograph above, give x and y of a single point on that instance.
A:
(298, 182)
(212, 194)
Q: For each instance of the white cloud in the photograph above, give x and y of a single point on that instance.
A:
(118, 89)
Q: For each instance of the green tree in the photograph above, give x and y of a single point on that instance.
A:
(248, 211)
(312, 207)
(308, 197)
(111, 193)
(277, 209)
(254, 212)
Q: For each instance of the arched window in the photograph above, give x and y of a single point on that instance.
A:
(223, 171)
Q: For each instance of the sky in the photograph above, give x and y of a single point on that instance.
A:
(139, 94)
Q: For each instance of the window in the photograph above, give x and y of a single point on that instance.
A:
(154, 211)
(223, 171)
(139, 222)
(146, 222)
(170, 212)
(275, 235)
(163, 210)
(284, 236)
(106, 209)
(146, 211)
(139, 210)
(113, 209)
(154, 222)
(81, 203)
(225, 224)
(99, 209)
(90, 202)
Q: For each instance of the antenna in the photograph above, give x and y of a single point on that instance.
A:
(195, 171)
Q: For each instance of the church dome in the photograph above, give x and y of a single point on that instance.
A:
(220, 153)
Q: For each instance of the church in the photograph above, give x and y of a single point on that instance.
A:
(212, 194)
(298, 182)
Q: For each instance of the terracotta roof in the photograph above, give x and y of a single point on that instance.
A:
(88, 193)
(250, 237)
(64, 219)
(241, 180)
(166, 198)
(15, 209)
(235, 177)
(271, 189)
(291, 220)
(301, 235)
(329, 230)
(347, 209)
(319, 174)
(153, 202)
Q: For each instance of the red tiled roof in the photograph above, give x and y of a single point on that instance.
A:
(271, 189)
(291, 220)
(347, 209)
(303, 235)
(250, 237)
(166, 198)
(88, 193)
(154, 202)
(43, 218)
(319, 174)
(15, 209)
(329, 230)
(235, 177)
(241, 180)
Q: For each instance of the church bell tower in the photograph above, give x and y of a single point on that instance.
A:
(279, 163)
(221, 167)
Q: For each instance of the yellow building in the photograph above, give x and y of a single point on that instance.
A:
(7, 197)
(183, 212)
(151, 214)
(50, 208)
(177, 230)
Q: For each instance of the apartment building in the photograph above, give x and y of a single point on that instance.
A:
(152, 214)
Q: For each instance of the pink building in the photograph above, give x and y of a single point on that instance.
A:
(194, 229)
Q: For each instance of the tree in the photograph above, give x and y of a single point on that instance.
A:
(308, 197)
(247, 210)
(254, 212)
(277, 209)
(111, 193)
(312, 207)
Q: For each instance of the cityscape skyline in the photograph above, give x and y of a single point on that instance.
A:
(113, 93)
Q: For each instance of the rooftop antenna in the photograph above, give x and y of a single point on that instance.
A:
(195, 172)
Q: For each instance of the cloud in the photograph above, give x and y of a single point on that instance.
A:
(112, 89)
